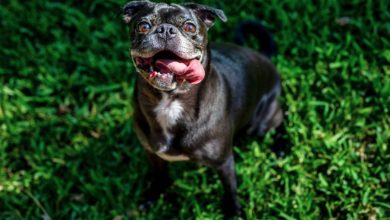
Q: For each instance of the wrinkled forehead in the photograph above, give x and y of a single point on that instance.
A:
(168, 13)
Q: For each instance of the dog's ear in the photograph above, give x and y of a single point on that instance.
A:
(132, 8)
(206, 14)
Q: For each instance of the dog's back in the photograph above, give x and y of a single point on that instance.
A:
(258, 111)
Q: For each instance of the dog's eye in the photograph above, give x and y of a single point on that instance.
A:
(189, 27)
(144, 27)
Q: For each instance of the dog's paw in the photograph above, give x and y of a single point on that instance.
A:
(145, 205)
(149, 197)
(153, 193)
(233, 210)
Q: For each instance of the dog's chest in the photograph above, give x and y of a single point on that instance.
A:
(168, 111)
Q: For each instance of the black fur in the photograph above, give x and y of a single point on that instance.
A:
(238, 95)
(255, 28)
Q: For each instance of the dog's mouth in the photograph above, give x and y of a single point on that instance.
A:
(165, 70)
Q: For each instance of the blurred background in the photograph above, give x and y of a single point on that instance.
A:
(67, 147)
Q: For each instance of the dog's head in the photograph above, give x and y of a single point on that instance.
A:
(169, 41)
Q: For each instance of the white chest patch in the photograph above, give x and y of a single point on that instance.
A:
(168, 111)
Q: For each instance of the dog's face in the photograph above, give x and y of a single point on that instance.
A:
(169, 42)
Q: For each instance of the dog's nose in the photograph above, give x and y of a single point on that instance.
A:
(166, 31)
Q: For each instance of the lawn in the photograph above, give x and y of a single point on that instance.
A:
(67, 146)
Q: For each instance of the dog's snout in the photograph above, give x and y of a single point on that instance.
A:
(166, 31)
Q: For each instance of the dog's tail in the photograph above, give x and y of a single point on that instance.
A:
(256, 29)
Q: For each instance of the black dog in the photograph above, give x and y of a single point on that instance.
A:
(191, 98)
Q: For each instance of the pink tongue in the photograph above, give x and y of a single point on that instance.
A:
(191, 71)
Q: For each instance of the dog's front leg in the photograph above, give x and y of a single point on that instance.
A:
(227, 175)
(159, 180)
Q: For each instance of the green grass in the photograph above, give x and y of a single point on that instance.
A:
(67, 147)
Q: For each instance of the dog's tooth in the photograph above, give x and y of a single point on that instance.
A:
(152, 75)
